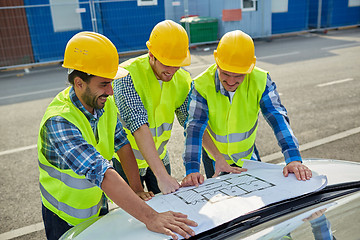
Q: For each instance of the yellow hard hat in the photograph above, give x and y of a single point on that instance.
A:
(94, 54)
(236, 53)
(169, 43)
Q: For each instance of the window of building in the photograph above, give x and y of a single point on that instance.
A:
(354, 3)
(278, 6)
(146, 2)
(248, 5)
(65, 15)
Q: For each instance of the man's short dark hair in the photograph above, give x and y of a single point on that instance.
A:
(84, 76)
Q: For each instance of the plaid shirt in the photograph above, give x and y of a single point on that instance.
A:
(272, 109)
(64, 146)
(133, 112)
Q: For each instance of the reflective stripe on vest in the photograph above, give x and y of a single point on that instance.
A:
(160, 130)
(233, 137)
(160, 103)
(71, 196)
(76, 183)
(74, 212)
(160, 150)
(233, 126)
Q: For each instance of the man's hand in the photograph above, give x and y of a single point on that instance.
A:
(193, 179)
(145, 195)
(223, 166)
(301, 171)
(170, 223)
(168, 184)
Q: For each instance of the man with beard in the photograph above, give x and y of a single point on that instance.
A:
(149, 97)
(79, 136)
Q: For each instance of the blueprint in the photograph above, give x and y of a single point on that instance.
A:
(216, 201)
(233, 185)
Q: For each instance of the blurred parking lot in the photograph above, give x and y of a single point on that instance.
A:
(317, 75)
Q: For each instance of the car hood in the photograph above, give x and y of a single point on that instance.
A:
(336, 172)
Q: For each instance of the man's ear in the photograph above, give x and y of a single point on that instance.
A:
(78, 82)
(151, 56)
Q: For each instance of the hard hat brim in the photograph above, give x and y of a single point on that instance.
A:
(122, 72)
(186, 61)
(235, 69)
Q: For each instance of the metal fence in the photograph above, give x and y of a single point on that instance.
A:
(35, 32)
(38, 33)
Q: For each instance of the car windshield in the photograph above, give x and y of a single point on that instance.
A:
(330, 214)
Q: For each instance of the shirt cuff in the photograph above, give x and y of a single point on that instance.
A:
(137, 124)
(117, 148)
(291, 155)
(99, 176)
(192, 168)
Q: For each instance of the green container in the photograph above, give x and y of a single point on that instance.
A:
(202, 29)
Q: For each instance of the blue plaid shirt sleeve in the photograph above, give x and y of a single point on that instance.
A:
(65, 147)
(194, 129)
(276, 116)
(128, 101)
(120, 136)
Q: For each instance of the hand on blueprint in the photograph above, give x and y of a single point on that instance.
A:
(192, 179)
(168, 184)
(170, 223)
(223, 166)
(145, 195)
(301, 171)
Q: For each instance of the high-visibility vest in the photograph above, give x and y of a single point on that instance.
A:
(160, 104)
(233, 126)
(70, 196)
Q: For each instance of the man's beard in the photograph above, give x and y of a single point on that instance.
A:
(91, 100)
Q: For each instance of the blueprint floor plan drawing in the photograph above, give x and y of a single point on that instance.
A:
(232, 185)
